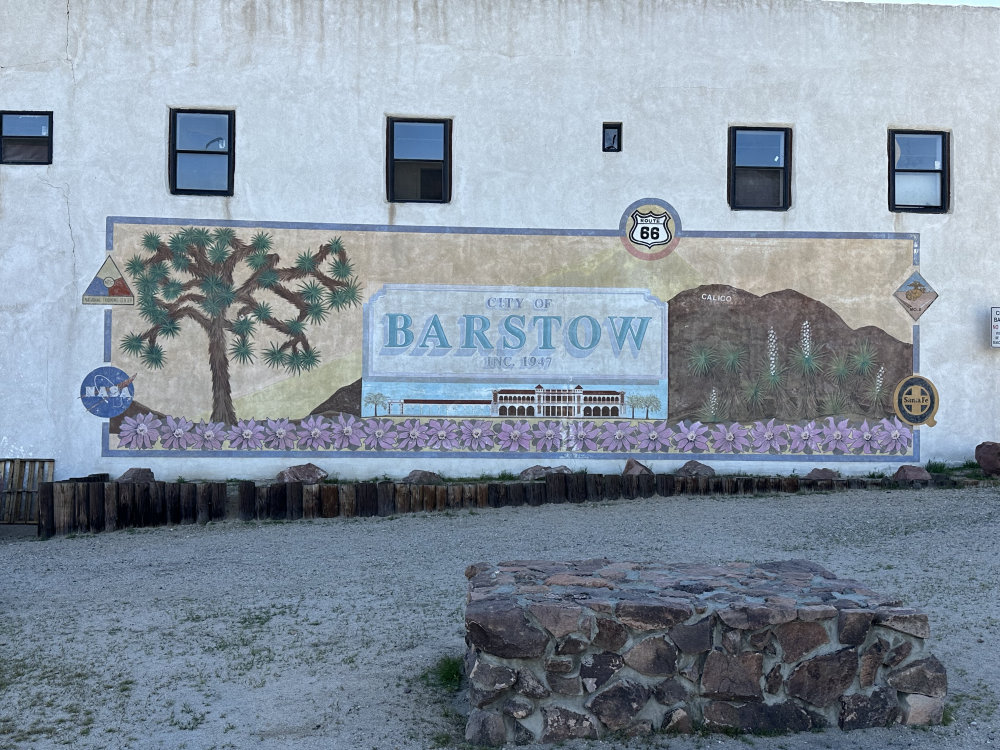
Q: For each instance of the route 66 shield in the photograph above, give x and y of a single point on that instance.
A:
(650, 229)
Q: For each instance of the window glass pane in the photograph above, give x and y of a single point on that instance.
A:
(418, 181)
(760, 148)
(202, 172)
(918, 151)
(418, 140)
(758, 188)
(611, 137)
(918, 189)
(26, 150)
(37, 125)
(202, 132)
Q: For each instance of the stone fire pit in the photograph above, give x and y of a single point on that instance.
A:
(560, 650)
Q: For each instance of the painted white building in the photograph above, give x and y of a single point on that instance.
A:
(525, 90)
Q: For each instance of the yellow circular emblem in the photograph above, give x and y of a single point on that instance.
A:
(916, 400)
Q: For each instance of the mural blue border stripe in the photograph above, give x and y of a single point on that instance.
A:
(526, 231)
(107, 335)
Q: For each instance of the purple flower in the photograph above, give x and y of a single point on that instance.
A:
(618, 436)
(805, 437)
(731, 439)
(654, 436)
(477, 434)
(835, 435)
(178, 435)
(864, 439)
(583, 436)
(412, 435)
(767, 437)
(515, 436)
(693, 438)
(246, 435)
(209, 435)
(279, 434)
(896, 436)
(443, 434)
(139, 433)
(347, 433)
(315, 432)
(547, 436)
(380, 434)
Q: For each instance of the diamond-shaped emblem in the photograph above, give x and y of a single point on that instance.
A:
(915, 295)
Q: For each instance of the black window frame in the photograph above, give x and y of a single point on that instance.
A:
(174, 151)
(616, 128)
(944, 173)
(47, 139)
(391, 161)
(735, 170)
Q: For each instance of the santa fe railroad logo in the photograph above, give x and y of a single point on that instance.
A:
(916, 401)
(649, 229)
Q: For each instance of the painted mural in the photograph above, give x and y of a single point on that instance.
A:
(644, 340)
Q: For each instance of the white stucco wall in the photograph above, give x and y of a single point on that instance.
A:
(527, 85)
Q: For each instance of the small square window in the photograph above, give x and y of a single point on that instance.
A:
(612, 136)
(25, 137)
(918, 171)
(418, 160)
(202, 157)
(760, 168)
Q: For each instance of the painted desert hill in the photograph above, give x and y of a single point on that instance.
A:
(738, 356)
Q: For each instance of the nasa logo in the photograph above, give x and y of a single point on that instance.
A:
(107, 392)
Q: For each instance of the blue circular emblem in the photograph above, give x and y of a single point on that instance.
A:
(107, 392)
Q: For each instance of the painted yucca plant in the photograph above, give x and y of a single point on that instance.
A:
(806, 356)
(876, 392)
(711, 410)
(701, 360)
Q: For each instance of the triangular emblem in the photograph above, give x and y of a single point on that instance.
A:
(108, 287)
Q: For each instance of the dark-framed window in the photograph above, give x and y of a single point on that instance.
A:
(418, 160)
(760, 169)
(202, 151)
(25, 137)
(612, 140)
(918, 171)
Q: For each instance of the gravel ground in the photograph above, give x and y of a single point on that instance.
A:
(316, 634)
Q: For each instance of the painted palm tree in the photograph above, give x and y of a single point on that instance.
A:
(234, 292)
(376, 400)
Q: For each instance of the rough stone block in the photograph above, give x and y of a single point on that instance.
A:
(921, 709)
(988, 458)
(485, 728)
(823, 679)
(567, 650)
(619, 704)
(880, 709)
(734, 678)
(562, 724)
(926, 677)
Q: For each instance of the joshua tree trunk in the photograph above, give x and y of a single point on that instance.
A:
(218, 362)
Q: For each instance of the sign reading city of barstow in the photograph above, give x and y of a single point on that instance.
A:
(514, 334)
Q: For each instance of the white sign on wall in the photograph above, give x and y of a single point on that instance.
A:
(995, 326)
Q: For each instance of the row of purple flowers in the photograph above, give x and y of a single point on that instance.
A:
(351, 433)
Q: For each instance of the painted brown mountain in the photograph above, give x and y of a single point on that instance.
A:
(737, 356)
(346, 400)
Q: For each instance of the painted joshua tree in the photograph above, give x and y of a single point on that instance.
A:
(236, 292)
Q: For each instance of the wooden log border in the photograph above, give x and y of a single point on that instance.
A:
(71, 507)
